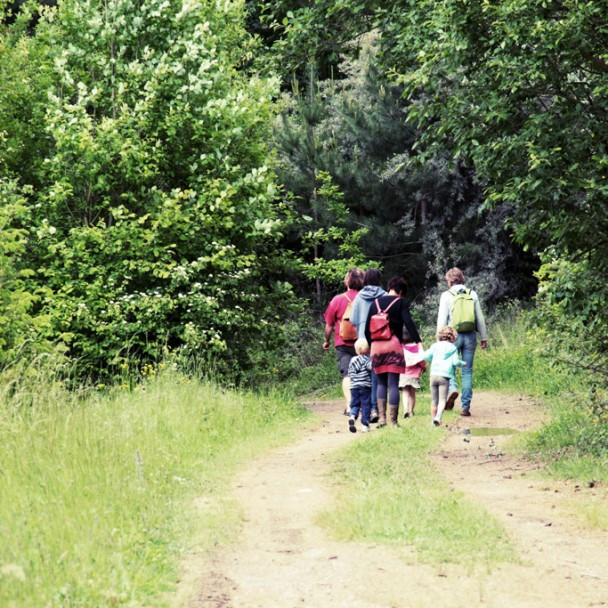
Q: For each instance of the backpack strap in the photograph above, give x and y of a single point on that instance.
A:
(465, 290)
(386, 309)
(346, 296)
(397, 298)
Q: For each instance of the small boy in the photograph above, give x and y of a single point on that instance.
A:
(444, 359)
(360, 374)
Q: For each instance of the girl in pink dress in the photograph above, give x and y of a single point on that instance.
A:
(409, 382)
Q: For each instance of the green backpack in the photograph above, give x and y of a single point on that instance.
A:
(463, 311)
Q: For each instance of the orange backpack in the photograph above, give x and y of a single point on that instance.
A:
(347, 330)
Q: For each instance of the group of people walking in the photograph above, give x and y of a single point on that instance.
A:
(380, 352)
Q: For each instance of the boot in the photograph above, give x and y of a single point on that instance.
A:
(394, 413)
(381, 412)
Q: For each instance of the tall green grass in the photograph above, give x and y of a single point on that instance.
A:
(517, 360)
(390, 493)
(573, 442)
(96, 491)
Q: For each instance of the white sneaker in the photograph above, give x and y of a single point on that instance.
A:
(437, 421)
(351, 425)
(364, 428)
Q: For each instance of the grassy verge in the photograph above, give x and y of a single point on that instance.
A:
(516, 361)
(96, 491)
(390, 493)
(574, 440)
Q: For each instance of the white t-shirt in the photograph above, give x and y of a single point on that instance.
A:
(444, 317)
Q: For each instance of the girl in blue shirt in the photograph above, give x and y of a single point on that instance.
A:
(444, 359)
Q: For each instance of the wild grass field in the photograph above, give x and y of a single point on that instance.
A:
(96, 489)
(97, 486)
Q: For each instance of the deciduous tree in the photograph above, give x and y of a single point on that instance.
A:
(153, 217)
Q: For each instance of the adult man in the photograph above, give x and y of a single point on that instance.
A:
(345, 348)
(358, 317)
(467, 340)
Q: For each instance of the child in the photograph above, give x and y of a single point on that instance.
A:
(360, 374)
(409, 381)
(444, 358)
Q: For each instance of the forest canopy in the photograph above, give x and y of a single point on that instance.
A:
(196, 177)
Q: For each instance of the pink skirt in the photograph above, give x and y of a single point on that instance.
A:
(387, 356)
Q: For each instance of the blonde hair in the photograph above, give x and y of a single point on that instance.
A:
(454, 276)
(361, 346)
(447, 334)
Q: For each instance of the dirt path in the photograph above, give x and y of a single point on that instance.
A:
(284, 560)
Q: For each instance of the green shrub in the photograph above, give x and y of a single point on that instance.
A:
(152, 216)
(20, 326)
(97, 489)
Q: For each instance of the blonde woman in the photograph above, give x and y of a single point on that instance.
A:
(466, 343)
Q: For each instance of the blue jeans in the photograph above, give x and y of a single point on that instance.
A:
(466, 345)
(360, 400)
(374, 399)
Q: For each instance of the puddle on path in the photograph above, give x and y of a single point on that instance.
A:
(482, 431)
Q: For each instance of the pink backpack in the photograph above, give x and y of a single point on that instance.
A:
(378, 324)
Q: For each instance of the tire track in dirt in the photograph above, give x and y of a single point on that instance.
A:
(284, 560)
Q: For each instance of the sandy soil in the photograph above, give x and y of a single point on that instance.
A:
(284, 560)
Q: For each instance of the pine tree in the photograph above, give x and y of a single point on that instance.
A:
(320, 215)
(421, 216)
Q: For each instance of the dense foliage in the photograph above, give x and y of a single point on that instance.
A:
(517, 91)
(421, 214)
(520, 88)
(151, 205)
(142, 211)
(19, 327)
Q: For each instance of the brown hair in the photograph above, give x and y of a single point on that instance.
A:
(398, 285)
(373, 277)
(354, 279)
(454, 276)
(447, 334)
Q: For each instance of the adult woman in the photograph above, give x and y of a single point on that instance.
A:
(467, 340)
(387, 355)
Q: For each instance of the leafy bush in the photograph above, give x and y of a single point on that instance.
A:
(19, 325)
(152, 220)
(98, 489)
(572, 306)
